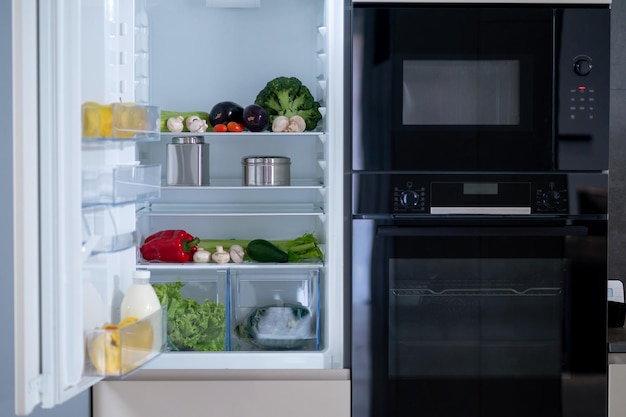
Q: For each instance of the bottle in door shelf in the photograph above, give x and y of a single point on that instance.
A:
(117, 349)
(140, 300)
(141, 304)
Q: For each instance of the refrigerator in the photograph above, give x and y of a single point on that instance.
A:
(82, 205)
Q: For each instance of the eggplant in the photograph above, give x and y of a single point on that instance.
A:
(255, 118)
(224, 112)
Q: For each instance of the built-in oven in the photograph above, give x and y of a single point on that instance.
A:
(479, 295)
(480, 87)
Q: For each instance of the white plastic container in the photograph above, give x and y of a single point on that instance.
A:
(140, 300)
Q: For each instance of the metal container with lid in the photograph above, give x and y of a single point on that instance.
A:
(188, 161)
(266, 170)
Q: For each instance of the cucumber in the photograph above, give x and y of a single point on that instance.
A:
(263, 251)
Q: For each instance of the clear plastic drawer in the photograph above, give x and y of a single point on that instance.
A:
(197, 317)
(275, 309)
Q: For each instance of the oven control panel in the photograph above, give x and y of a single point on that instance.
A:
(488, 194)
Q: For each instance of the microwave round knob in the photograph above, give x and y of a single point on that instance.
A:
(582, 66)
(551, 199)
(409, 198)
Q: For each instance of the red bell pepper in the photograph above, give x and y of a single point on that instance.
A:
(169, 246)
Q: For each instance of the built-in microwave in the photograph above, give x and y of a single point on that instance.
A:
(498, 87)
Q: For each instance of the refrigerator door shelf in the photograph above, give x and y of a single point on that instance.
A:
(120, 121)
(107, 229)
(122, 184)
(116, 350)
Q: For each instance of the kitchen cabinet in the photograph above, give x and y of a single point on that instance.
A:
(245, 393)
(617, 385)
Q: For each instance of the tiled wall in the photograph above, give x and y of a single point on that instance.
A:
(617, 161)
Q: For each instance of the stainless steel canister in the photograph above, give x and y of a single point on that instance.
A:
(266, 170)
(188, 161)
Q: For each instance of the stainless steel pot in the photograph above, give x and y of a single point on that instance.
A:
(266, 170)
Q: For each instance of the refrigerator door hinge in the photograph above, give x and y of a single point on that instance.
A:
(34, 385)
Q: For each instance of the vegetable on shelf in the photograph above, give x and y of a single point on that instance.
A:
(191, 325)
(255, 118)
(175, 124)
(287, 96)
(196, 124)
(166, 115)
(233, 126)
(202, 256)
(261, 250)
(236, 253)
(169, 246)
(220, 256)
(294, 124)
(302, 249)
(224, 112)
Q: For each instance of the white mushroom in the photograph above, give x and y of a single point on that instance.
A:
(280, 124)
(220, 256)
(196, 124)
(202, 256)
(296, 124)
(175, 124)
(236, 253)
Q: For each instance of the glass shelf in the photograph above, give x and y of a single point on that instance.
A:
(195, 266)
(225, 209)
(242, 134)
(236, 183)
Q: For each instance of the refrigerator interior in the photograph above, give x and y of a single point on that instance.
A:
(104, 196)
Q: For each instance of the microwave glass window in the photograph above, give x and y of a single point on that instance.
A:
(461, 92)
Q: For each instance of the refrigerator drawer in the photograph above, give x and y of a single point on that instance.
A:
(275, 309)
(197, 308)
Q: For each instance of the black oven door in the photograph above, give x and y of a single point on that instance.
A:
(480, 88)
(485, 319)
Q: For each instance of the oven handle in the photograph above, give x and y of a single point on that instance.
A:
(414, 231)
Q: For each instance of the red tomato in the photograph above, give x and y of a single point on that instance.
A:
(234, 127)
(220, 128)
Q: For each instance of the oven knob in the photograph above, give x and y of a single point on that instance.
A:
(551, 199)
(409, 198)
(582, 66)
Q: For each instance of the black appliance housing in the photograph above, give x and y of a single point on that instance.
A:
(479, 150)
(480, 88)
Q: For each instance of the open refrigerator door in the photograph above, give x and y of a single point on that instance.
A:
(78, 183)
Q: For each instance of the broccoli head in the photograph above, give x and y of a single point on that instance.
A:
(287, 96)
